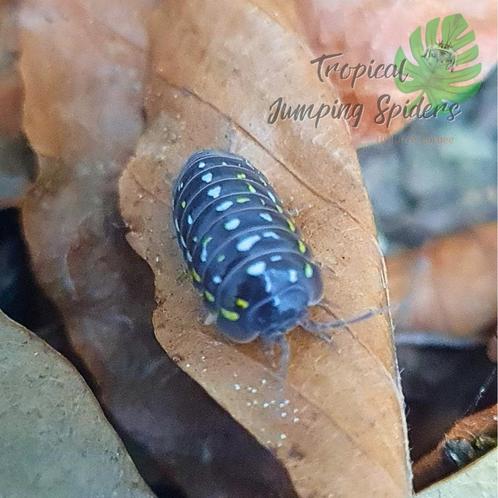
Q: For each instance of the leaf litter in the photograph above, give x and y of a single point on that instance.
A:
(336, 422)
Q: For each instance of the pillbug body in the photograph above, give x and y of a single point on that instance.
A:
(244, 253)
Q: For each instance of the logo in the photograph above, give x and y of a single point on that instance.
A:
(441, 64)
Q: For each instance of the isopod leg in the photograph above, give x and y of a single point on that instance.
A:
(284, 356)
(284, 353)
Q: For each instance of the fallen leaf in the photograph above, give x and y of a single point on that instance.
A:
(83, 66)
(438, 280)
(336, 422)
(478, 480)
(55, 439)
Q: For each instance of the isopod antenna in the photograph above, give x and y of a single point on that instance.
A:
(321, 329)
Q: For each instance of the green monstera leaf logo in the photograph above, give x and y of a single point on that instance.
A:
(436, 73)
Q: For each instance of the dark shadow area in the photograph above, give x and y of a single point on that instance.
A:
(441, 385)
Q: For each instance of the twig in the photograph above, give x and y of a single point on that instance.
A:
(466, 441)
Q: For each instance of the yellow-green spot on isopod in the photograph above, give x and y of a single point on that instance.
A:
(251, 188)
(220, 258)
(233, 316)
(242, 200)
(292, 227)
(241, 176)
(196, 276)
(209, 296)
(206, 241)
(302, 247)
(279, 209)
(183, 204)
(242, 303)
(308, 270)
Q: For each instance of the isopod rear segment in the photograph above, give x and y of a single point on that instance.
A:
(245, 255)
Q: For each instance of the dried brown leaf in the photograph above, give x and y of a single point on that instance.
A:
(336, 421)
(450, 283)
(55, 439)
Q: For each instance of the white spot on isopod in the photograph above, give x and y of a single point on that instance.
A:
(266, 216)
(202, 165)
(232, 224)
(189, 220)
(276, 258)
(271, 235)
(217, 279)
(292, 276)
(207, 177)
(214, 192)
(247, 243)
(224, 206)
(256, 269)
(268, 288)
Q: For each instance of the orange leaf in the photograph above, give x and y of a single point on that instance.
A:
(454, 292)
(336, 422)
